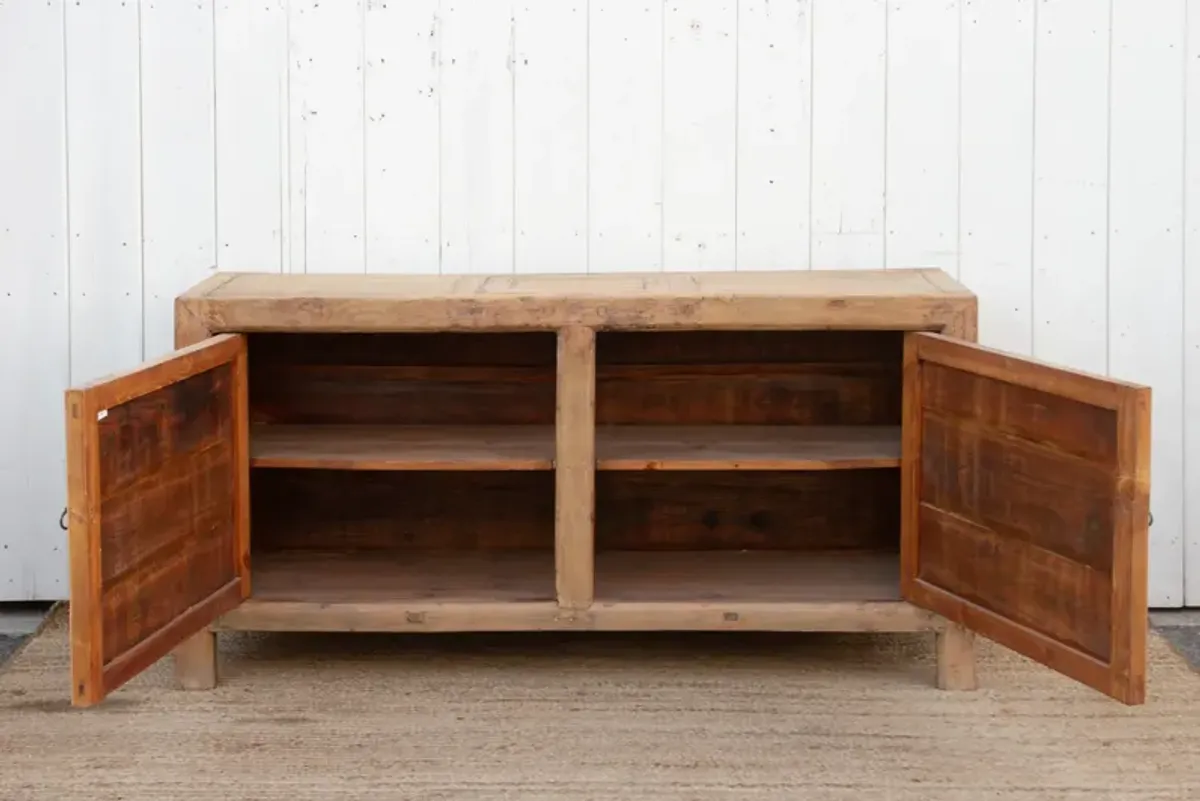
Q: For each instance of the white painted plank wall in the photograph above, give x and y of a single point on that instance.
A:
(476, 56)
(1044, 151)
(403, 98)
(625, 135)
(849, 142)
(995, 178)
(178, 160)
(251, 123)
(35, 323)
(1145, 244)
(1191, 317)
(550, 134)
(774, 134)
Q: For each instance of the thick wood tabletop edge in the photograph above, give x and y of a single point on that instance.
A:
(944, 282)
(209, 285)
(227, 286)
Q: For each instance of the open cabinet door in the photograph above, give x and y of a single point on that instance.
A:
(1025, 507)
(157, 484)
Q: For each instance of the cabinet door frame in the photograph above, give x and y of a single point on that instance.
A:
(1122, 674)
(92, 678)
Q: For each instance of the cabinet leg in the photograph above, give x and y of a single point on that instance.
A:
(956, 658)
(196, 662)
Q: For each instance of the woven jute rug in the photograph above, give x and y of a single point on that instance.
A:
(594, 717)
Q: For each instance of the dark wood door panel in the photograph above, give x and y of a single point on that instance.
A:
(158, 472)
(1025, 507)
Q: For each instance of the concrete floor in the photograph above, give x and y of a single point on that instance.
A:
(1181, 628)
(18, 621)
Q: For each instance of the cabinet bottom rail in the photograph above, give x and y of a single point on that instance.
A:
(409, 616)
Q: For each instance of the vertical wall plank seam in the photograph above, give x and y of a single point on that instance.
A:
(1033, 231)
(1108, 127)
(1183, 303)
(438, 44)
(587, 135)
(141, 129)
(67, 186)
(663, 136)
(887, 92)
(958, 159)
(285, 146)
(216, 150)
(1183, 296)
(737, 127)
(812, 115)
(512, 125)
(362, 68)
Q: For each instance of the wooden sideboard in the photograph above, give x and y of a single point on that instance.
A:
(786, 451)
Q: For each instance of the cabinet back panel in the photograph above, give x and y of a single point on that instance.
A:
(414, 379)
(749, 377)
(380, 511)
(830, 510)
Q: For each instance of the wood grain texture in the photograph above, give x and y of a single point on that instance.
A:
(1025, 503)
(527, 576)
(1131, 548)
(850, 299)
(747, 447)
(189, 328)
(749, 377)
(167, 504)
(194, 619)
(83, 508)
(155, 510)
(401, 510)
(729, 510)
(1021, 489)
(366, 447)
(241, 470)
(1032, 586)
(445, 577)
(754, 575)
(159, 373)
(575, 467)
(956, 658)
(1087, 388)
(438, 616)
(196, 662)
(413, 379)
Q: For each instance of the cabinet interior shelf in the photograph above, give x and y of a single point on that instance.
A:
(716, 576)
(516, 447)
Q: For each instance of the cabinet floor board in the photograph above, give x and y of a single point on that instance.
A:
(486, 576)
(750, 575)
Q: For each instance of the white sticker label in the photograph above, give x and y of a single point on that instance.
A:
(100, 415)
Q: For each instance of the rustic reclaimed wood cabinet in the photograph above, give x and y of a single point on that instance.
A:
(772, 451)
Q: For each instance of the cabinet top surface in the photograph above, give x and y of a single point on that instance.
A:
(910, 283)
(910, 299)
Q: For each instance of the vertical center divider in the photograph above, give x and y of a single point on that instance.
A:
(575, 468)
